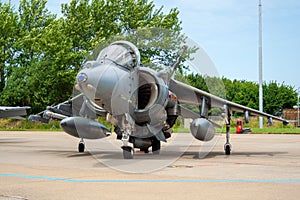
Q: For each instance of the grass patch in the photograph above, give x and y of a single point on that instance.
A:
(181, 130)
(26, 125)
(276, 128)
(266, 130)
(272, 130)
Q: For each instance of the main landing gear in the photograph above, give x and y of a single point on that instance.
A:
(127, 152)
(155, 146)
(128, 147)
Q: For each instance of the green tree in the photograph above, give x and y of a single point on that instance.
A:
(278, 96)
(197, 81)
(54, 82)
(89, 23)
(46, 52)
(246, 93)
(213, 85)
(8, 23)
(33, 18)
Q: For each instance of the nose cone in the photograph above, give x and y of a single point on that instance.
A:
(99, 82)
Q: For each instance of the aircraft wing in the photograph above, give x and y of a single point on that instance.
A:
(187, 94)
(11, 112)
(72, 107)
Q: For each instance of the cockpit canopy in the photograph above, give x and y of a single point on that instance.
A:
(123, 53)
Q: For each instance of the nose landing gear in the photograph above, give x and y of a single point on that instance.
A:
(127, 152)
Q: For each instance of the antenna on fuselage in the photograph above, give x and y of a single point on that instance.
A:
(168, 73)
(178, 61)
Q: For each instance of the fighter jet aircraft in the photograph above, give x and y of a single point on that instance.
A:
(12, 112)
(142, 104)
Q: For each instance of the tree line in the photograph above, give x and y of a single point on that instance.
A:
(41, 53)
(276, 96)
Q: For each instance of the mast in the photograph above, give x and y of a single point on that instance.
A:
(260, 63)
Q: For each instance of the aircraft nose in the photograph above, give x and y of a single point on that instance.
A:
(98, 83)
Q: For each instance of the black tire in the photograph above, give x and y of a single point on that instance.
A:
(128, 153)
(227, 149)
(81, 147)
(145, 150)
(155, 147)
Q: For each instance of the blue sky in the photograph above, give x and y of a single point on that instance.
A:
(228, 31)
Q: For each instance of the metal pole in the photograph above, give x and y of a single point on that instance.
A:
(298, 124)
(260, 63)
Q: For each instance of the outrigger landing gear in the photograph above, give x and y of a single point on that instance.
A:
(81, 146)
(227, 146)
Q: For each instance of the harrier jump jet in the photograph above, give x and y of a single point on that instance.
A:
(142, 104)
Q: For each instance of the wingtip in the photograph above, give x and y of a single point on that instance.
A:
(285, 122)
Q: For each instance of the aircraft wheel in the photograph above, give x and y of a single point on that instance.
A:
(145, 150)
(227, 149)
(81, 147)
(127, 152)
(155, 147)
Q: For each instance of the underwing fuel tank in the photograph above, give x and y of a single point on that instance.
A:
(83, 128)
(202, 129)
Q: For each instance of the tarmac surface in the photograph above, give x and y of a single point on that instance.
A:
(46, 165)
